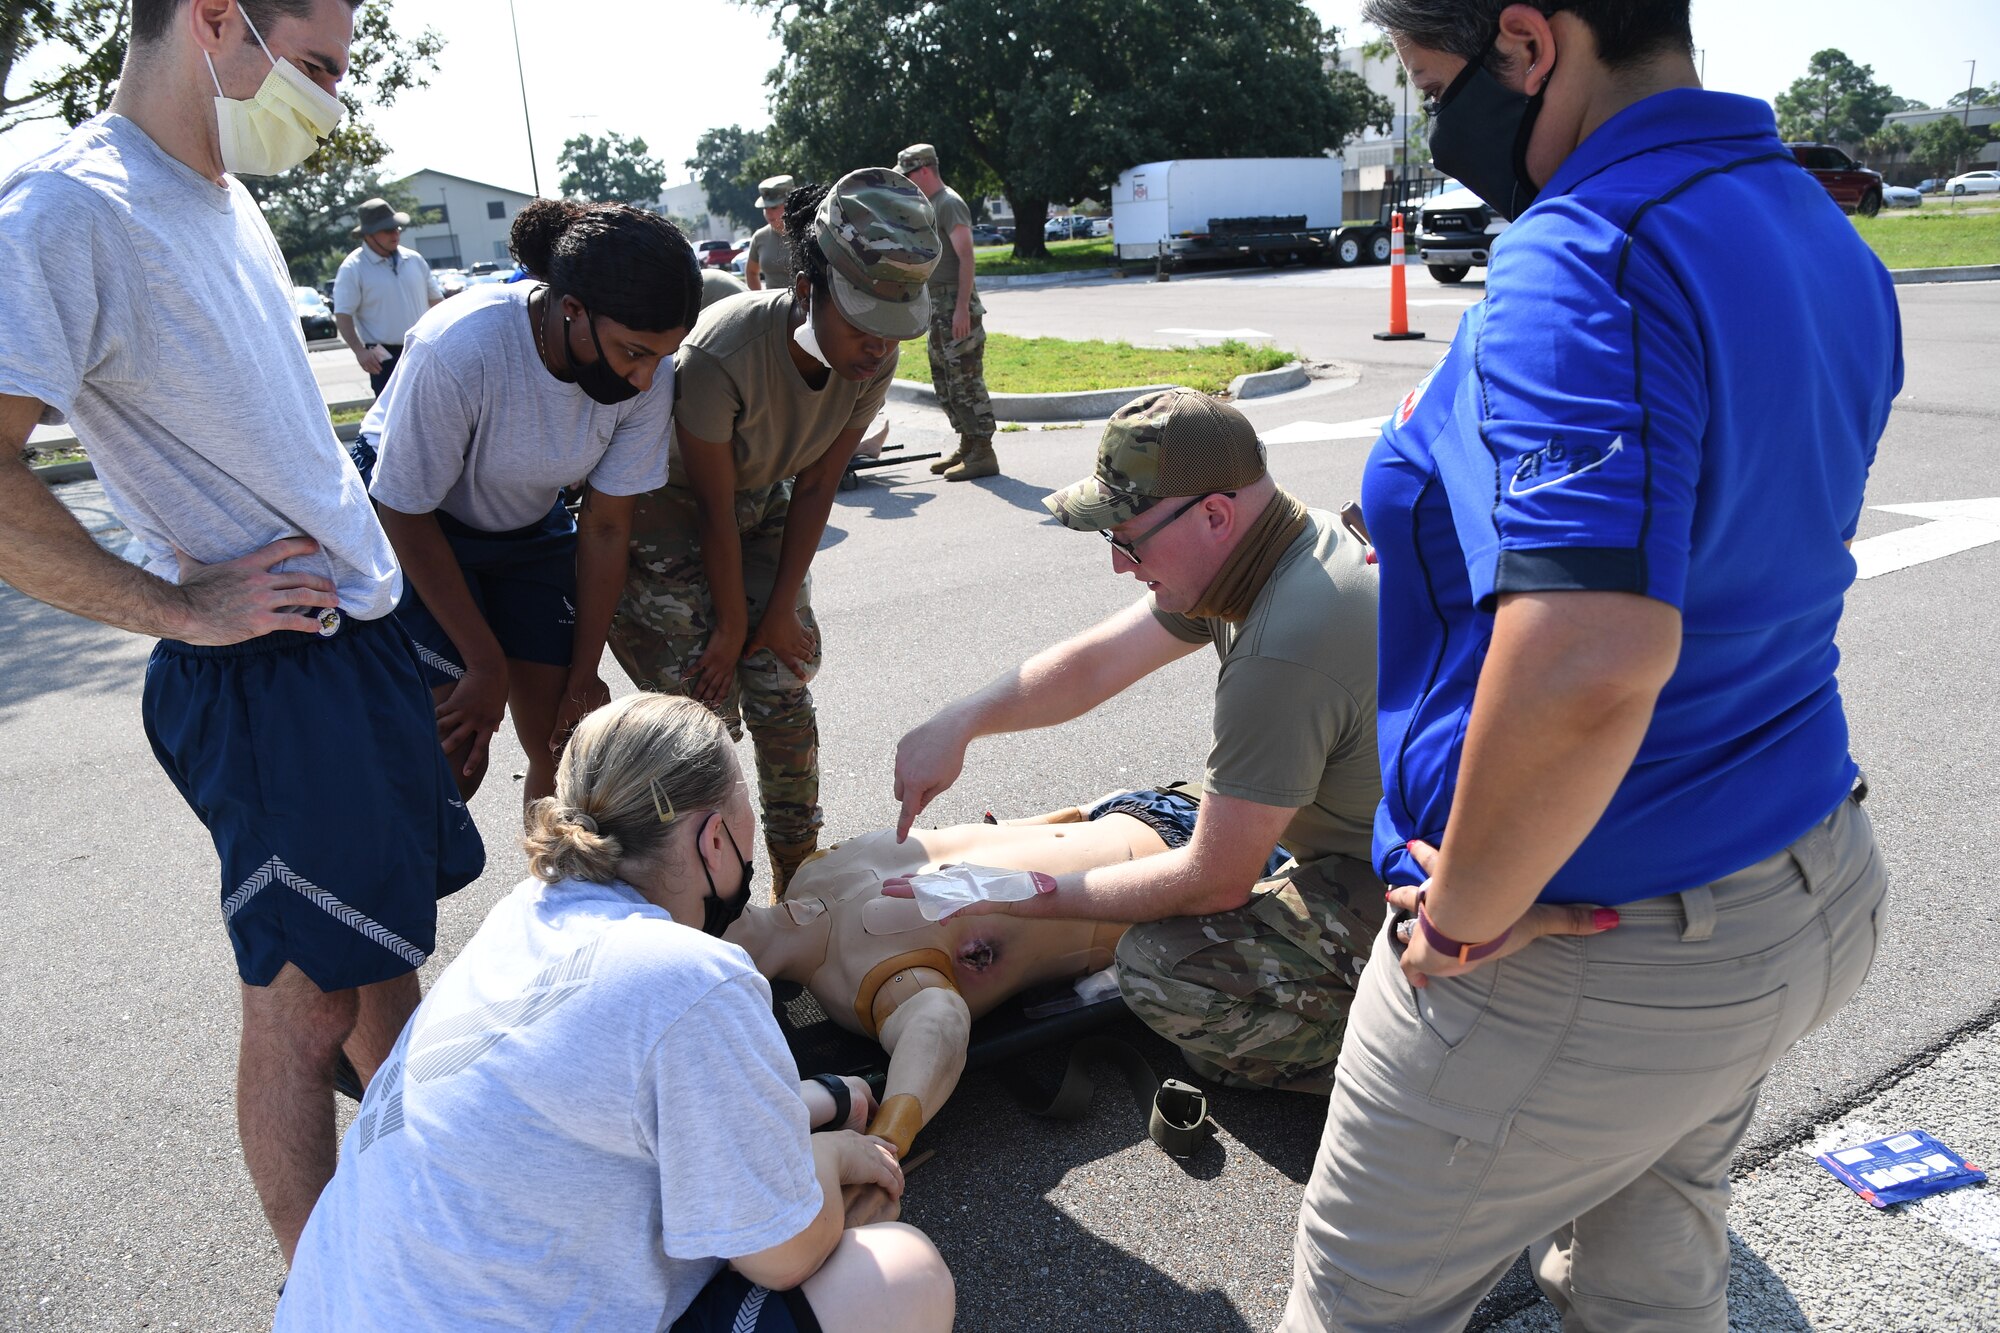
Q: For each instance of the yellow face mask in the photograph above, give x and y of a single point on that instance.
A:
(279, 127)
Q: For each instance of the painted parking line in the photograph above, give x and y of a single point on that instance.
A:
(1954, 526)
(1240, 335)
(1317, 432)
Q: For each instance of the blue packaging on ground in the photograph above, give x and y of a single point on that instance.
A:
(1900, 1168)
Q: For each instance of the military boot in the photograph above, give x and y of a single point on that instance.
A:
(950, 460)
(979, 460)
(786, 858)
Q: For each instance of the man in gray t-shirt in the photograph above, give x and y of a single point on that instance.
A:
(147, 304)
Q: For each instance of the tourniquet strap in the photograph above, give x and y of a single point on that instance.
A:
(1177, 1118)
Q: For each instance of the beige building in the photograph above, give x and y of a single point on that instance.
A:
(459, 222)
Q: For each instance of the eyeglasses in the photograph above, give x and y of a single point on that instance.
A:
(1130, 549)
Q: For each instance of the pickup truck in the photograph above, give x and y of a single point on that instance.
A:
(718, 254)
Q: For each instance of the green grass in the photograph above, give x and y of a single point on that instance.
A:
(1057, 365)
(347, 414)
(997, 261)
(1944, 238)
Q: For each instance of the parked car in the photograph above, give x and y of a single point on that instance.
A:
(1930, 185)
(718, 254)
(1455, 233)
(1901, 196)
(1100, 226)
(985, 233)
(1854, 187)
(315, 316)
(450, 281)
(1974, 182)
(490, 266)
(1070, 226)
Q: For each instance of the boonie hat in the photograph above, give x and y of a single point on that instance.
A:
(880, 238)
(771, 191)
(376, 215)
(1176, 442)
(917, 155)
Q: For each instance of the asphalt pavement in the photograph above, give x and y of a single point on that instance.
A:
(126, 1202)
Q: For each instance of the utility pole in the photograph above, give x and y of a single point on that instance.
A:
(1701, 60)
(534, 172)
(1971, 83)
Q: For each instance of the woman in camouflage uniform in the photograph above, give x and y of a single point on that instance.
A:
(776, 390)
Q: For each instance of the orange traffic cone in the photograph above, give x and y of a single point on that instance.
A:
(1399, 306)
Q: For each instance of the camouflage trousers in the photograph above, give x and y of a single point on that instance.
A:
(958, 370)
(1260, 993)
(663, 625)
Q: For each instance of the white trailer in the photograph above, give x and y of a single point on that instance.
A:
(1184, 198)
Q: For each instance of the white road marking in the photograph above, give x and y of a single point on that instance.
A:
(1241, 335)
(1314, 432)
(1444, 300)
(1956, 525)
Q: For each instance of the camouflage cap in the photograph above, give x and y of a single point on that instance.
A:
(880, 238)
(915, 157)
(771, 191)
(1176, 442)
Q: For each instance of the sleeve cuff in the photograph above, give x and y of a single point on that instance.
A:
(1567, 569)
(1184, 628)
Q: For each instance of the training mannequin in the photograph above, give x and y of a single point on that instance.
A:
(879, 969)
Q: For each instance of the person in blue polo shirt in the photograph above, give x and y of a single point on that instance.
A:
(1611, 528)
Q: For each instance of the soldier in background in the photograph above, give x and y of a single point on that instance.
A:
(768, 261)
(958, 329)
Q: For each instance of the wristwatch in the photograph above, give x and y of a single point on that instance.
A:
(1445, 944)
(843, 1101)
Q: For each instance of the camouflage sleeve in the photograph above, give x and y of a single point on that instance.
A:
(709, 401)
(875, 392)
(1185, 628)
(1276, 723)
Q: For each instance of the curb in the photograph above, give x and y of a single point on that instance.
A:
(1044, 279)
(1264, 383)
(1903, 277)
(55, 474)
(1087, 405)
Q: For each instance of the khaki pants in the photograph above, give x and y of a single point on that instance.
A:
(1584, 1096)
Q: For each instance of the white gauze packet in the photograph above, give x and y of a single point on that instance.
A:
(948, 888)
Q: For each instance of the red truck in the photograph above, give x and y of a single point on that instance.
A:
(1854, 187)
(718, 254)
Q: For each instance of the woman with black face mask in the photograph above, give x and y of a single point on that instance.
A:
(593, 1119)
(516, 391)
(1611, 531)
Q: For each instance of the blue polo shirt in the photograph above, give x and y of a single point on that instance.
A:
(1674, 388)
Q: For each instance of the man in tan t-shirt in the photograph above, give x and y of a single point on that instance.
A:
(767, 260)
(958, 325)
(1251, 976)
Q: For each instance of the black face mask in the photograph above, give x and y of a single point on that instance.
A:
(717, 912)
(1479, 137)
(597, 379)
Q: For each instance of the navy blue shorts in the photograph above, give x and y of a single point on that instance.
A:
(314, 763)
(524, 584)
(732, 1303)
(1169, 814)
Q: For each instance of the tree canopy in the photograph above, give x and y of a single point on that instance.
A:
(1944, 145)
(311, 207)
(1987, 96)
(1051, 99)
(610, 170)
(729, 162)
(1837, 101)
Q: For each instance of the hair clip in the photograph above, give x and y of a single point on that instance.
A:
(667, 815)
